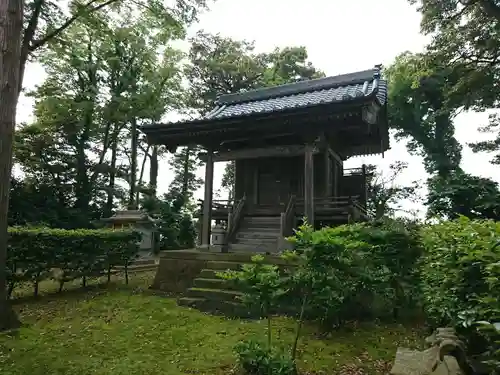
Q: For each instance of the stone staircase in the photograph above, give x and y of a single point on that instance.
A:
(258, 234)
(209, 293)
(213, 294)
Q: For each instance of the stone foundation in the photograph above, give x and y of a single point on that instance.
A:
(178, 269)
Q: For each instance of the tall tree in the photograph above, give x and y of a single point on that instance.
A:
(11, 23)
(184, 164)
(45, 21)
(466, 37)
(219, 65)
(421, 112)
(384, 193)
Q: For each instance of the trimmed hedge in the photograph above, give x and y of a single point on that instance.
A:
(36, 254)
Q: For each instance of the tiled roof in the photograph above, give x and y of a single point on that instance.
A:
(329, 90)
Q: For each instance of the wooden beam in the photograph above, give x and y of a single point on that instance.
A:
(335, 155)
(309, 183)
(328, 174)
(207, 203)
(252, 137)
(254, 153)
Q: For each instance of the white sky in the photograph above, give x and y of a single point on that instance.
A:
(341, 36)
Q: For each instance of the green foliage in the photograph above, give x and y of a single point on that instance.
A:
(347, 269)
(184, 165)
(262, 287)
(458, 270)
(256, 359)
(35, 254)
(465, 34)
(462, 194)
(175, 227)
(260, 284)
(420, 110)
(384, 194)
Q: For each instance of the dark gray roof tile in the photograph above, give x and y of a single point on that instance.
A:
(337, 89)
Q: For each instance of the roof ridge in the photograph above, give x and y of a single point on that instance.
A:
(300, 87)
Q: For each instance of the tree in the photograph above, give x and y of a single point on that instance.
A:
(47, 20)
(88, 110)
(384, 194)
(219, 65)
(421, 111)
(466, 36)
(184, 164)
(463, 194)
(11, 23)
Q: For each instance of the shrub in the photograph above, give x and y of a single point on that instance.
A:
(460, 280)
(257, 359)
(458, 270)
(35, 254)
(347, 268)
(262, 287)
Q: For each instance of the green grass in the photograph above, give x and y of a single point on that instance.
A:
(125, 330)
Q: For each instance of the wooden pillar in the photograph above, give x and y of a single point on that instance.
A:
(207, 202)
(336, 178)
(309, 183)
(328, 174)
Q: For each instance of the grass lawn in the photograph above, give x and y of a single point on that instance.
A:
(123, 330)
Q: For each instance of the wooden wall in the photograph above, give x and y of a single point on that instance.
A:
(270, 181)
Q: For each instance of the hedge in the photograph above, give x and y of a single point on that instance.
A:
(357, 271)
(36, 254)
(460, 271)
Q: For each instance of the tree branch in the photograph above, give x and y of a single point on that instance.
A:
(490, 8)
(40, 42)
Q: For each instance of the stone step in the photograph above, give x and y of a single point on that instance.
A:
(274, 227)
(214, 294)
(255, 248)
(234, 256)
(251, 234)
(257, 241)
(208, 274)
(216, 265)
(233, 309)
(214, 284)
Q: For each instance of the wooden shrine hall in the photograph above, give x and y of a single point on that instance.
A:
(289, 143)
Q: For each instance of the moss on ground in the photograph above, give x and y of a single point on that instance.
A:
(126, 330)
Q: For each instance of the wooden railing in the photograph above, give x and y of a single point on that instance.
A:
(226, 205)
(234, 220)
(351, 204)
(287, 217)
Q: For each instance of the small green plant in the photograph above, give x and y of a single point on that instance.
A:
(263, 289)
(257, 359)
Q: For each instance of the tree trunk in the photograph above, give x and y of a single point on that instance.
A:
(185, 177)
(133, 166)
(11, 26)
(141, 174)
(112, 176)
(153, 170)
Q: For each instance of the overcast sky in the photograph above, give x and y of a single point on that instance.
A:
(341, 36)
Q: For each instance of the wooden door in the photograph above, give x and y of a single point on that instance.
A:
(269, 183)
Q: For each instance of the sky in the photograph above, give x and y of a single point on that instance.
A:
(341, 36)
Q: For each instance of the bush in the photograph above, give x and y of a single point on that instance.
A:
(35, 254)
(458, 270)
(349, 267)
(460, 281)
(256, 359)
